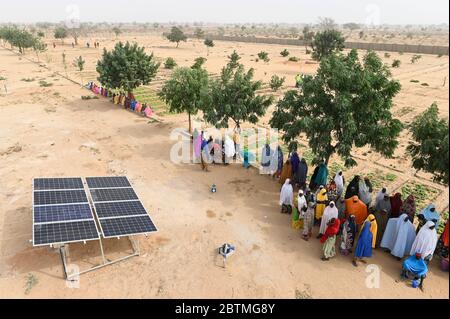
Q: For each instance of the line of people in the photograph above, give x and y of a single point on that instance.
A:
(347, 213)
(127, 101)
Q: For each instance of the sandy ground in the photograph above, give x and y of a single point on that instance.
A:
(51, 132)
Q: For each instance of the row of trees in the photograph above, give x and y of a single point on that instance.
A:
(347, 104)
(22, 40)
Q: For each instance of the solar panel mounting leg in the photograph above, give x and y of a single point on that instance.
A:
(62, 253)
(103, 253)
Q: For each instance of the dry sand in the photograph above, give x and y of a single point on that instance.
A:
(51, 132)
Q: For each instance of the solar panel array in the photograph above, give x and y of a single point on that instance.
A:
(61, 212)
(119, 210)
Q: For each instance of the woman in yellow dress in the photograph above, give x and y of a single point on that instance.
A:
(322, 199)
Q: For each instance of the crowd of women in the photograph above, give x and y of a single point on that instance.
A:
(350, 221)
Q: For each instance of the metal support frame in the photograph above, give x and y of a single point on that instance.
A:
(63, 253)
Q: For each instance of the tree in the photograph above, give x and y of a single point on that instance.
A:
(276, 82)
(396, 63)
(176, 35)
(170, 63)
(39, 47)
(79, 64)
(233, 60)
(41, 34)
(117, 31)
(326, 43)
(60, 33)
(233, 97)
(199, 33)
(361, 34)
(347, 103)
(75, 34)
(185, 91)
(198, 63)
(126, 67)
(21, 39)
(326, 24)
(209, 44)
(429, 148)
(415, 58)
(308, 36)
(284, 53)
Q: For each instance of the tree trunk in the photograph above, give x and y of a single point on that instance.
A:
(178, 43)
(190, 125)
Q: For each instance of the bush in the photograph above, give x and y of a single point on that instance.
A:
(415, 58)
(276, 82)
(170, 63)
(396, 63)
(414, 81)
(45, 84)
(88, 97)
(28, 80)
(439, 56)
(401, 53)
(293, 59)
(425, 84)
(308, 51)
(387, 55)
(264, 56)
(284, 53)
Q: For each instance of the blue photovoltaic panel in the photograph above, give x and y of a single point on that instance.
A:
(107, 182)
(116, 227)
(57, 183)
(118, 209)
(113, 194)
(47, 214)
(60, 197)
(46, 234)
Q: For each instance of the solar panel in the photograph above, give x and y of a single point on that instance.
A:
(107, 182)
(59, 213)
(60, 197)
(113, 194)
(58, 233)
(125, 226)
(117, 209)
(57, 183)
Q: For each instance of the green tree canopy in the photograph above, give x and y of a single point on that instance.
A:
(346, 104)
(233, 60)
(209, 44)
(429, 149)
(327, 42)
(60, 33)
(198, 63)
(308, 36)
(176, 35)
(185, 91)
(199, 33)
(126, 67)
(233, 97)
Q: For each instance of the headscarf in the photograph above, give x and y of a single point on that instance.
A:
(332, 230)
(322, 175)
(409, 207)
(295, 161)
(355, 206)
(396, 204)
(415, 265)
(380, 195)
(230, 149)
(399, 236)
(384, 204)
(286, 172)
(267, 155)
(364, 192)
(328, 214)
(373, 228)
(426, 240)
(320, 207)
(301, 201)
(339, 180)
(353, 188)
(382, 218)
(287, 193)
(429, 215)
(364, 245)
(302, 171)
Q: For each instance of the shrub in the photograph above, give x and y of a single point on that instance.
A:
(414, 81)
(293, 59)
(170, 63)
(387, 55)
(396, 63)
(45, 84)
(415, 58)
(88, 97)
(439, 56)
(284, 53)
(425, 84)
(28, 80)
(308, 51)
(276, 82)
(264, 56)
